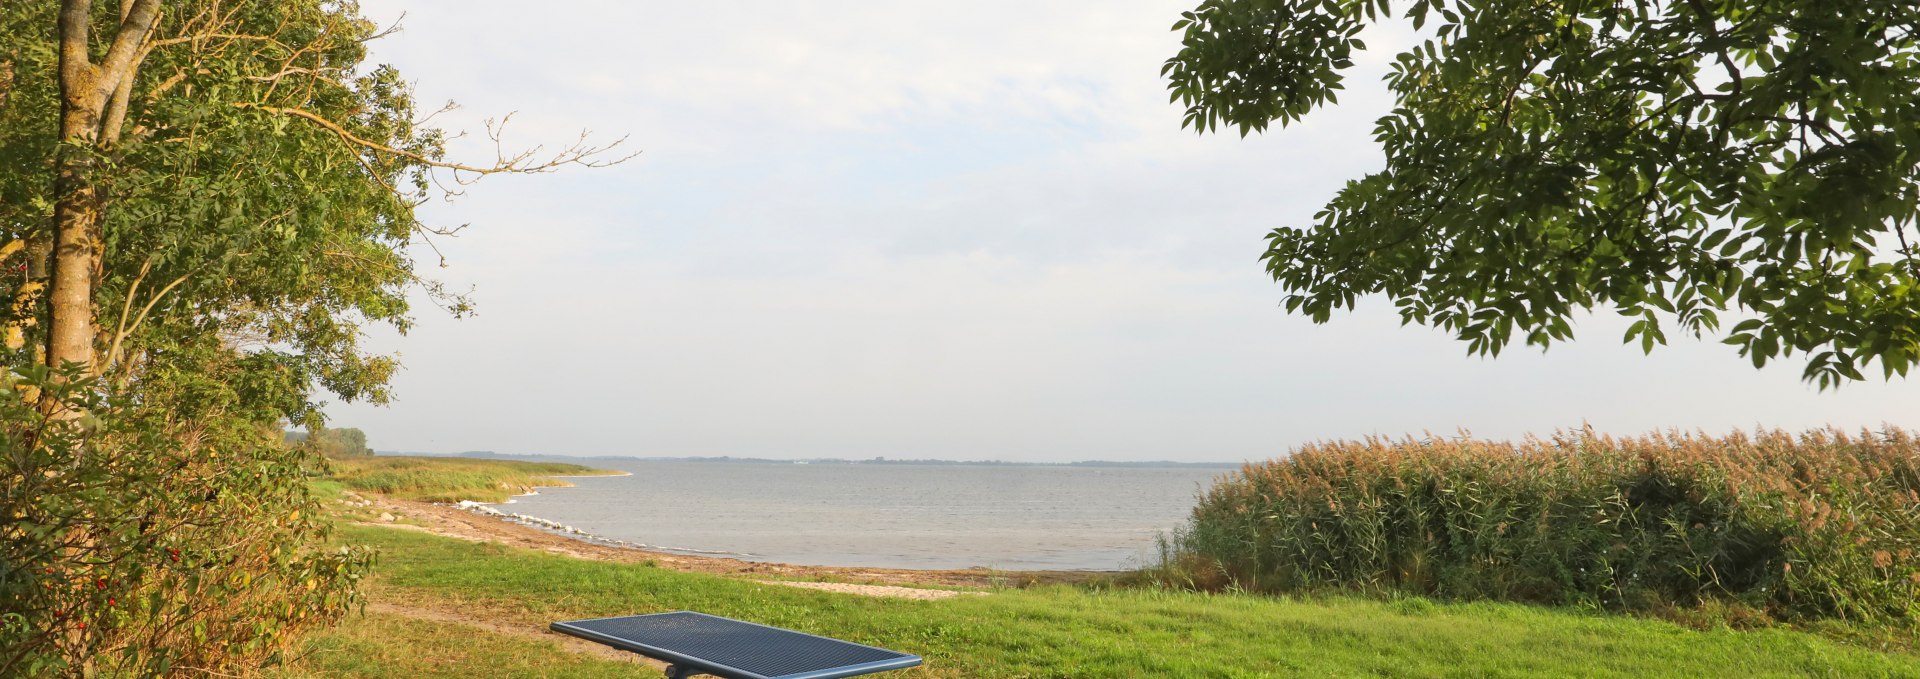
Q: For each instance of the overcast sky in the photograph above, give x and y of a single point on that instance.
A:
(961, 230)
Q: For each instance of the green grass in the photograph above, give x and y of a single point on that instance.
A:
(449, 479)
(1043, 632)
(380, 646)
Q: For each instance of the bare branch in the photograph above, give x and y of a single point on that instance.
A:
(448, 107)
(521, 163)
(389, 30)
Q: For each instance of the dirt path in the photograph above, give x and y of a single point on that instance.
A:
(457, 523)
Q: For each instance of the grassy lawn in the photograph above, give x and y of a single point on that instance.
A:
(1045, 632)
(449, 479)
(379, 645)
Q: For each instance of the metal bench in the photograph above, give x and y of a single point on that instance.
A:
(696, 643)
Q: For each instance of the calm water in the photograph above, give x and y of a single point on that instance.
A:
(901, 516)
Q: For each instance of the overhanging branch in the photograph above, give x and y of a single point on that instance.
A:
(581, 155)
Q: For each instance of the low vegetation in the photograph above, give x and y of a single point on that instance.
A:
(450, 479)
(1763, 527)
(166, 535)
(423, 582)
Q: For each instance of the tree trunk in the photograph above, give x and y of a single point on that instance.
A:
(76, 209)
(75, 214)
(85, 90)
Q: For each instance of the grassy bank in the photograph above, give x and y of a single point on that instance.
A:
(448, 479)
(1044, 632)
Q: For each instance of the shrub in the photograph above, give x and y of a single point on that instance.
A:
(1818, 525)
(155, 536)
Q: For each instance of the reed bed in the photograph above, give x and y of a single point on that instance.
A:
(1817, 525)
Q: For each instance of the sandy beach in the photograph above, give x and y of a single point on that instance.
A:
(454, 522)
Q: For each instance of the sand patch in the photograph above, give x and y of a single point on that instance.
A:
(888, 591)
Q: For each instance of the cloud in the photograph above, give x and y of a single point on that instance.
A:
(971, 230)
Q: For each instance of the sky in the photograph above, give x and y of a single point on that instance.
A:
(940, 230)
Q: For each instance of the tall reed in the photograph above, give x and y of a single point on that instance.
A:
(1816, 525)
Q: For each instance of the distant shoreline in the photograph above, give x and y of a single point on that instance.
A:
(726, 459)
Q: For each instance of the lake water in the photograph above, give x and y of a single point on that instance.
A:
(892, 515)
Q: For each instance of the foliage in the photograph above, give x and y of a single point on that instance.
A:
(156, 535)
(330, 442)
(1682, 158)
(1822, 525)
(232, 195)
(226, 215)
(1047, 631)
(451, 479)
(157, 522)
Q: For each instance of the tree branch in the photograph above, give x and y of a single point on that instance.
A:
(573, 155)
(128, 44)
(113, 353)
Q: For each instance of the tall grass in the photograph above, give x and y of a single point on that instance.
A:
(448, 479)
(1818, 525)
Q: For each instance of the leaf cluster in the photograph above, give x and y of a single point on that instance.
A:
(1679, 161)
(224, 218)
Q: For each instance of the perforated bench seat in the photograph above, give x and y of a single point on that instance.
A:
(696, 643)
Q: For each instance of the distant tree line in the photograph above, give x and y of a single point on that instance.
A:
(343, 442)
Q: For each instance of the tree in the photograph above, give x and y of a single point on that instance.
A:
(203, 203)
(1671, 159)
(262, 186)
(333, 443)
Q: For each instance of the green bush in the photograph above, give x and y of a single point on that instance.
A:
(167, 534)
(1819, 525)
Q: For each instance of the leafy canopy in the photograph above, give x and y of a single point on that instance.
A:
(1673, 160)
(255, 215)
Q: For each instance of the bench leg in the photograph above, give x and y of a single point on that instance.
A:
(678, 672)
